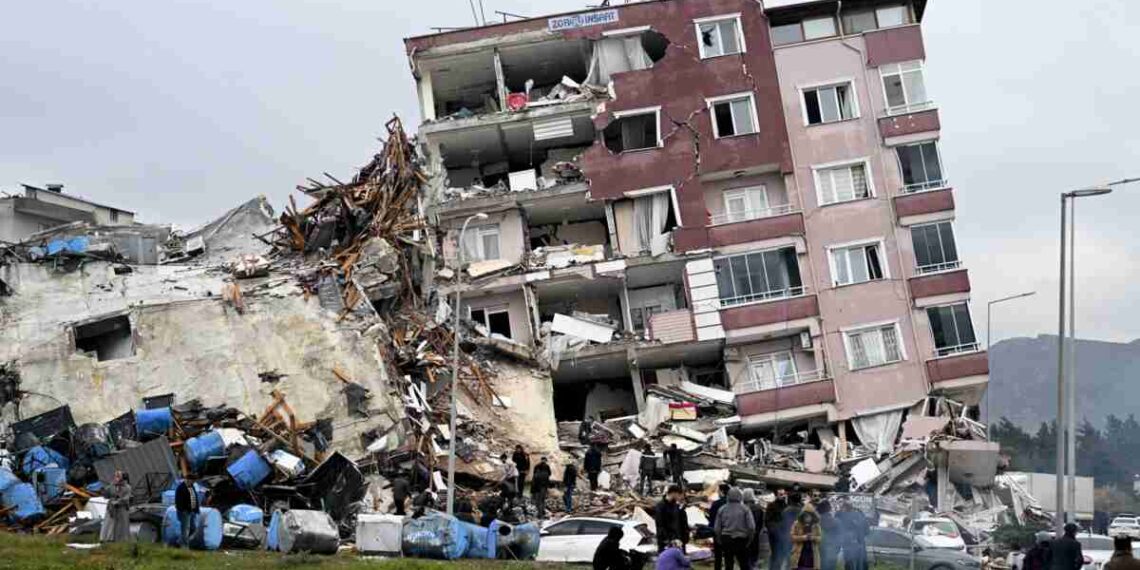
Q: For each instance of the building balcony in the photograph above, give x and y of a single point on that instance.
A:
(915, 118)
(730, 229)
(808, 390)
(919, 201)
(945, 282)
(967, 362)
(769, 308)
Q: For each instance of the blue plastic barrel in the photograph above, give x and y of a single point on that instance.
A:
(199, 449)
(50, 482)
(39, 457)
(525, 540)
(435, 536)
(272, 542)
(209, 524)
(171, 527)
(23, 501)
(153, 423)
(249, 470)
(480, 541)
(7, 479)
(245, 514)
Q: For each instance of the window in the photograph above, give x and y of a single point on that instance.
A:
(953, 332)
(105, 339)
(640, 315)
(720, 36)
(495, 319)
(904, 87)
(653, 219)
(770, 274)
(859, 22)
(843, 183)
(768, 371)
(633, 130)
(733, 115)
(819, 28)
(114, 216)
(481, 243)
(568, 528)
(873, 346)
(921, 167)
(829, 104)
(934, 248)
(857, 264)
(596, 527)
(787, 34)
(745, 204)
(888, 538)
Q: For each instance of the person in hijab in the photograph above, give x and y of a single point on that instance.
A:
(117, 522)
(806, 538)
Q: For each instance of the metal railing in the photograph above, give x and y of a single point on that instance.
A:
(754, 385)
(937, 267)
(765, 296)
(909, 108)
(928, 186)
(959, 349)
(733, 217)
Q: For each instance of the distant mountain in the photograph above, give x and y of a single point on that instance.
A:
(1023, 380)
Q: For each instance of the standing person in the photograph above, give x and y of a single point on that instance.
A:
(757, 516)
(1122, 555)
(645, 469)
(186, 504)
(609, 555)
(1065, 552)
(735, 530)
(790, 514)
(522, 465)
(593, 465)
(773, 521)
(539, 486)
(855, 528)
(585, 429)
(676, 462)
(806, 536)
(831, 537)
(714, 508)
(570, 483)
(507, 485)
(401, 489)
(669, 515)
(673, 557)
(116, 523)
(1035, 557)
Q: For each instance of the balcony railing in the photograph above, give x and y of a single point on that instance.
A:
(937, 267)
(765, 296)
(909, 108)
(756, 385)
(733, 217)
(927, 186)
(959, 349)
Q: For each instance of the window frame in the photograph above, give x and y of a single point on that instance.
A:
(730, 193)
(712, 102)
(884, 263)
(770, 357)
(657, 190)
(482, 231)
(865, 161)
(954, 350)
(867, 327)
(944, 266)
(834, 28)
(909, 106)
(735, 18)
(763, 296)
(488, 310)
(656, 111)
(916, 187)
(853, 94)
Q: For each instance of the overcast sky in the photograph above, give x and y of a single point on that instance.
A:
(181, 109)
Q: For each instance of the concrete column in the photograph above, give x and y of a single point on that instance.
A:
(635, 379)
(427, 96)
(532, 309)
(501, 82)
(943, 470)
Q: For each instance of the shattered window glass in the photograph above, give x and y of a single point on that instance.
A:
(719, 38)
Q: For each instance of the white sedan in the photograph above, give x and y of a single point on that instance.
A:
(1124, 526)
(574, 539)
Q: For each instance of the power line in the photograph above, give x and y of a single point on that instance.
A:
(474, 15)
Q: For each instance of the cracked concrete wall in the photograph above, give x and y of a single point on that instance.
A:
(189, 342)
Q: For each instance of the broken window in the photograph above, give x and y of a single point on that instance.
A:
(720, 36)
(497, 320)
(745, 203)
(633, 130)
(873, 346)
(106, 339)
(934, 248)
(857, 264)
(768, 371)
(640, 316)
(952, 329)
(843, 183)
(653, 218)
(829, 104)
(481, 243)
(749, 277)
(865, 20)
(920, 166)
(904, 87)
(733, 115)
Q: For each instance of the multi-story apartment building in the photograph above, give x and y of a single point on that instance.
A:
(41, 209)
(749, 192)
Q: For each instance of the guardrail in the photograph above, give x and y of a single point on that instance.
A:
(754, 385)
(747, 215)
(765, 296)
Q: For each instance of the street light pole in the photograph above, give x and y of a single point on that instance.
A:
(455, 366)
(989, 335)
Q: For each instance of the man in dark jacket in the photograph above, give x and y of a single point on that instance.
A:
(831, 536)
(1035, 557)
(676, 462)
(1122, 555)
(400, 491)
(855, 528)
(609, 555)
(539, 486)
(672, 522)
(714, 508)
(1065, 552)
(773, 519)
(187, 505)
(735, 529)
(522, 462)
(584, 430)
(593, 465)
(570, 484)
(757, 516)
(645, 469)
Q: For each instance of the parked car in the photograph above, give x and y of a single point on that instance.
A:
(1124, 526)
(574, 539)
(937, 533)
(897, 547)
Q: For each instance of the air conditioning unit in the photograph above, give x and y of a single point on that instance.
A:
(805, 340)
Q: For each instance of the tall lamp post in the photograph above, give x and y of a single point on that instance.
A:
(455, 366)
(989, 337)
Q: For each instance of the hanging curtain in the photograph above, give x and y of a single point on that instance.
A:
(615, 55)
(878, 431)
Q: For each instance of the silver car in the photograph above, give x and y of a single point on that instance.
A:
(896, 547)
